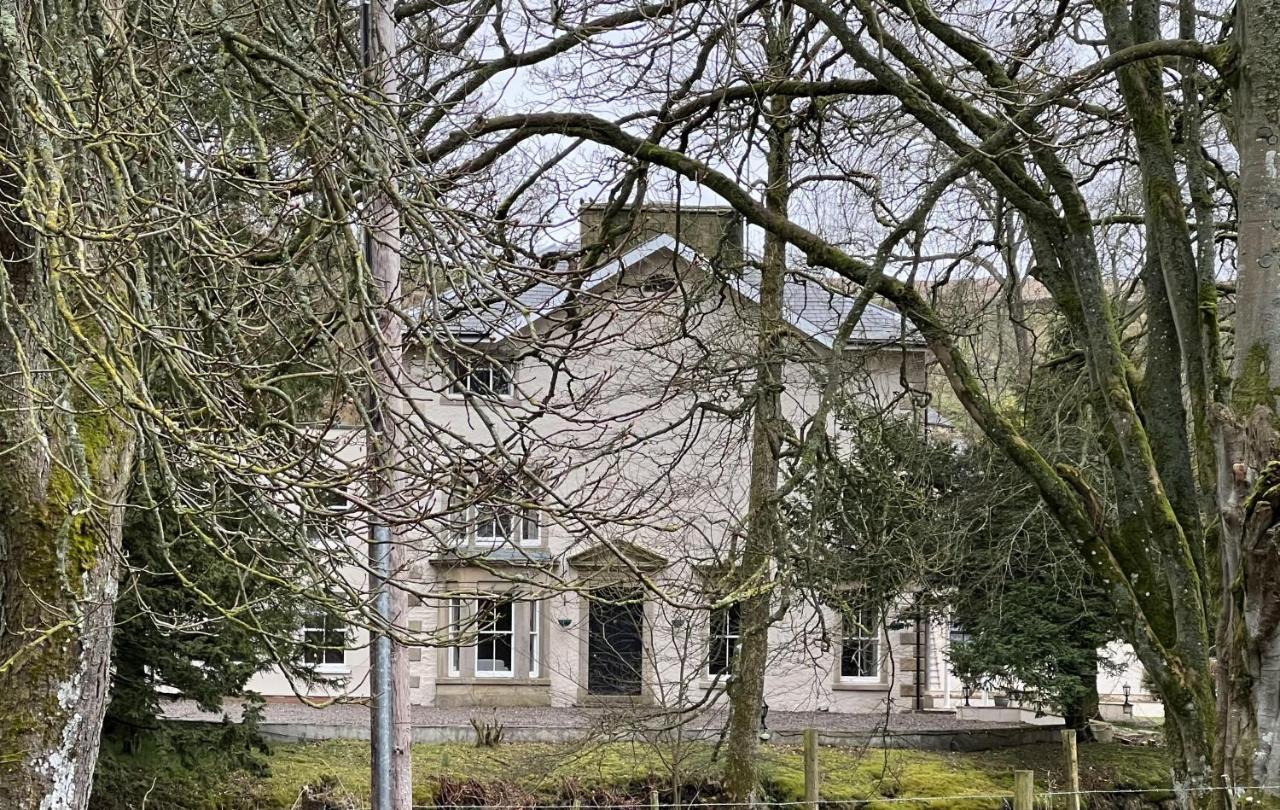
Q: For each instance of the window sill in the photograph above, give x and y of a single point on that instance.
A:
(472, 680)
(451, 398)
(332, 669)
(869, 685)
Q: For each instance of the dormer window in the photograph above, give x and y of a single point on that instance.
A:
(485, 376)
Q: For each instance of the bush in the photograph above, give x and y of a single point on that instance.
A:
(184, 767)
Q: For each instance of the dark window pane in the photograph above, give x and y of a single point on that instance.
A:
(860, 647)
(723, 639)
(324, 639)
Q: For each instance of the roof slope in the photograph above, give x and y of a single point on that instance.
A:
(495, 308)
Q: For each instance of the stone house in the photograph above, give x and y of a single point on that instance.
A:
(584, 525)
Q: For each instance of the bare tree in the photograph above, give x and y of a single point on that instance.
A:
(1030, 111)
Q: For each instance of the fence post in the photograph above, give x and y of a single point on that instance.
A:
(653, 799)
(1024, 790)
(811, 776)
(1073, 768)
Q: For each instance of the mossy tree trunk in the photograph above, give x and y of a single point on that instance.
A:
(65, 452)
(1249, 464)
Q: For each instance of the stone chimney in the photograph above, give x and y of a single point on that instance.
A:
(713, 232)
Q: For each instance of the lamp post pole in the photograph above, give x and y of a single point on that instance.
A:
(390, 730)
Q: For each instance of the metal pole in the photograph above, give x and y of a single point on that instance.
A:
(382, 718)
(381, 722)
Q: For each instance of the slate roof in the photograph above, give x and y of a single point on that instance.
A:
(498, 307)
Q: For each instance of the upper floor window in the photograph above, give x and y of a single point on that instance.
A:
(860, 645)
(324, 639)
(724, 638)
(499, 521)
(493, 509)
(474, 374)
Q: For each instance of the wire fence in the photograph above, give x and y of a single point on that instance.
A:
(1023, 797)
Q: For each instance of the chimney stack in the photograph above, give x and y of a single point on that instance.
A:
(713, 232)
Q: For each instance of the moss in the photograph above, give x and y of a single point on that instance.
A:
(546, 770)
(548, 773)
(1252, 386)
(853, 776)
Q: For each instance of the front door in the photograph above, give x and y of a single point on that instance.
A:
(615, 642)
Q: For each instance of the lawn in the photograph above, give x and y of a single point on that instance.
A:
(623, 773)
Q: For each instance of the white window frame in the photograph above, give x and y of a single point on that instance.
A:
(453, 654)
(492, 513)
(731, 641)
(481, 633)
(523, 526)
(865, 623)
(465, 375)
(534, 609)
(324, 623)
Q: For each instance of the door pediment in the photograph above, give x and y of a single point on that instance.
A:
(617, 556)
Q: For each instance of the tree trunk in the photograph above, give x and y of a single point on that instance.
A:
(66, 445)
(746, 689)
(64, 475)
(1249, 469)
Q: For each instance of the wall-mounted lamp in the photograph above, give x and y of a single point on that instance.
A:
(677, 622)
(564, 621)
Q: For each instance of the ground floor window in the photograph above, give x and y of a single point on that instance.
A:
(493, 637)
(860, 646)
(324, 639)
(724, 638)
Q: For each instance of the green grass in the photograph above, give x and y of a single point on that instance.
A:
(864, 776)
(555, 772)
(613, 773)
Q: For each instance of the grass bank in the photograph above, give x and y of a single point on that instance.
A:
(623, 773)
